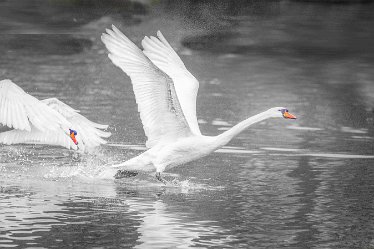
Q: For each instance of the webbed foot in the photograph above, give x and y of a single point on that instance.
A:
(159, 177)
(125, 174)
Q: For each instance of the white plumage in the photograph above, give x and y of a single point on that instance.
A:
(164, 57)
(165, 92)
(158, 105)
(44, 122)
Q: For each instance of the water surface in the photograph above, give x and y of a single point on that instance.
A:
(295, 184)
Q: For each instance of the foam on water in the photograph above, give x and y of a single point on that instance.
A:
(303, 128)
(341, 156)
(237, 151)
(223, 128)
(302, 152)
(362, 137)
(281, 149)
(128, 146)
(354, 130)
(219, 122)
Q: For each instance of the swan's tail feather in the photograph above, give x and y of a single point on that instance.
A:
(141, 162)
(131, 167)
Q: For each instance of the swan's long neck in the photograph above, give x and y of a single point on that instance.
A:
(225, 137)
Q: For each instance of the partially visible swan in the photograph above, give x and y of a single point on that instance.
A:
(165, 92)
(48, 121)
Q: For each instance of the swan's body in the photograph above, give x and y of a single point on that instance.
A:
(48, 121)
(165, 92)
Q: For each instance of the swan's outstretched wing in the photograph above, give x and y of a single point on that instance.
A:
(158, 104)
(35, 136)
(20, 110)
(89, 134)
(159, 51)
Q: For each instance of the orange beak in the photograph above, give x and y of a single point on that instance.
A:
(289, 115)
(72, 136)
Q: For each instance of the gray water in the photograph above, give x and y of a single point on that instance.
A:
(280, 184)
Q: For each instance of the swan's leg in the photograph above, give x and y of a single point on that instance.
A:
(159, 177)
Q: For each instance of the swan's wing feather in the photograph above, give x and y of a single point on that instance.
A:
(44, 122)
(59, 106)
(159, 51)
(163, 54)
(158, 104)
(20, 110)
(89, 133)
(35, 136)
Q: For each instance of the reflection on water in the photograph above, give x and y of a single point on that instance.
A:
(159, 228)
(302, 184)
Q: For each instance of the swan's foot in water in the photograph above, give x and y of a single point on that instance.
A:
(125, 174)
(159, 177)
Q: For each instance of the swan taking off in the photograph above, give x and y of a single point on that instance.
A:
(48, 121)
(165, 92)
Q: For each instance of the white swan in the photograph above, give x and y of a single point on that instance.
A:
(48, 121)
(165, 92)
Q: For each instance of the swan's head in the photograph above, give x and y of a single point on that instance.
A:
(73, 133)
(280, 112)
